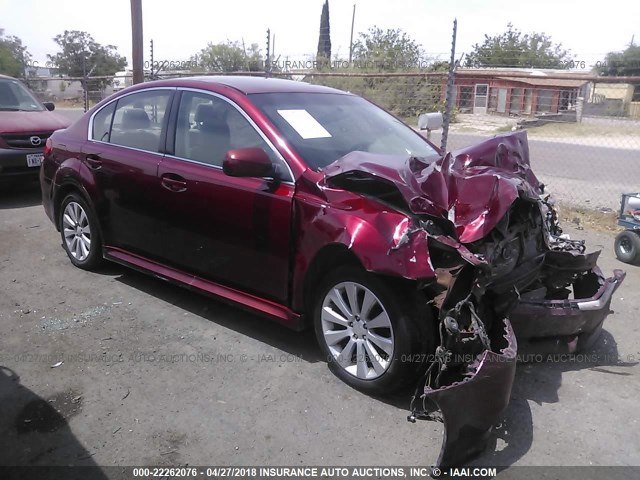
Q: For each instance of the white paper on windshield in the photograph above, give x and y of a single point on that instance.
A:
(303, 123)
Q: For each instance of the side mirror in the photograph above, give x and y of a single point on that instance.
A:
(49, 106)
(247, 162)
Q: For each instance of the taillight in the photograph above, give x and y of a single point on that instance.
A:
(48, 147)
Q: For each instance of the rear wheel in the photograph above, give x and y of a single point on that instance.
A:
(79, 230)
(627, 247)
(375, 337)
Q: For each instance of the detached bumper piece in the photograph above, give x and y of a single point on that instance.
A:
(472, 406)
(565, 326)
(470, 382)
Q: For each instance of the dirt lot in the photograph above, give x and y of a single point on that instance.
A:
(154, 374)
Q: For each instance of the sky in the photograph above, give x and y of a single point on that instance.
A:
(182, 28)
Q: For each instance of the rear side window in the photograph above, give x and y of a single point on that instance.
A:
(102, 123)
(138, 118)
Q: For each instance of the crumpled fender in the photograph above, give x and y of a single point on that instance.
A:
(383, 242)
(373, 236)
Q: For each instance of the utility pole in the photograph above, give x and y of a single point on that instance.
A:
(137, 45)
(353, 20)
(450, 85)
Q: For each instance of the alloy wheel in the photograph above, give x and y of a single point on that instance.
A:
(357, 330)
(76, 230)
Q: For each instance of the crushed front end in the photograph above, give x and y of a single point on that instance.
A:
(503, 270)
(529, 282)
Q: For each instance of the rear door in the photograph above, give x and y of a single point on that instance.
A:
(235, 231)
(123, 154)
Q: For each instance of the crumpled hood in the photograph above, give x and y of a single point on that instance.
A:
(473, 187)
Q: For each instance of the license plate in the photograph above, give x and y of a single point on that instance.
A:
(34, 159)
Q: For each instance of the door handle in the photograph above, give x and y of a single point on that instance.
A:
(173, 182)
(94, 161)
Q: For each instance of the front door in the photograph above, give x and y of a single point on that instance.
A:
(481, 98)
(528, 100)
(234, 231)
(515, 105)
(502, 100)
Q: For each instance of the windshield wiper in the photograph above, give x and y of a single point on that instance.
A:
(9, 109)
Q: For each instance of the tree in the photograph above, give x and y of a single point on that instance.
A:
(229, 57)
(81, 55)
(625, 63)
(324, 38)
(380, 51)
(515, 49)
(14, 56)
(387, 51)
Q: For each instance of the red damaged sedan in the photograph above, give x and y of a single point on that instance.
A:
(315, 207)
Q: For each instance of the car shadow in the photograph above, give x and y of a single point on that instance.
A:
(20, 195)
(301, 344)
(36, 434)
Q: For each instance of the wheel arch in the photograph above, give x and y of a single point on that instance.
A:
(326, 259)
(62, 191)
(335, 255)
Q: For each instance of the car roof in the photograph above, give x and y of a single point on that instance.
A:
(249, 85)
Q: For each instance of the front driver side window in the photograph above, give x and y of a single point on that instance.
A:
(208, 127)
(202, 132)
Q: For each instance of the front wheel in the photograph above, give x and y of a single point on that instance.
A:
(79, 230)
(376, 338)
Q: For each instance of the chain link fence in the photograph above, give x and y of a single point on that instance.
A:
(71, 92)
(584, 130)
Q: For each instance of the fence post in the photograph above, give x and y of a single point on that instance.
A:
(449, 93)
(267, 69)
(85, 85)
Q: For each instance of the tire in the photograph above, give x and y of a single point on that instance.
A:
(627, 247)
(404, 331)
(80, 232)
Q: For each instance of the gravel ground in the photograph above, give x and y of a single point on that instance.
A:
(154, 374)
